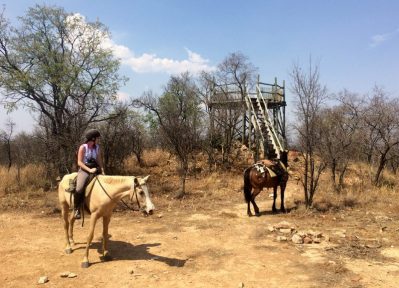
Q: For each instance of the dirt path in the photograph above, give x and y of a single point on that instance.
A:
(212, 246)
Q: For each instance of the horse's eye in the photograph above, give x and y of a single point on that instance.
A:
(142, 194)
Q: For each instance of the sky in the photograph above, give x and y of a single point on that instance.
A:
(354, 43)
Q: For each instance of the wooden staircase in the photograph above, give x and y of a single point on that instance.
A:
(263, 124)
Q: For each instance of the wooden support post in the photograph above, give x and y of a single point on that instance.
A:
(249, 129)
(244, 113)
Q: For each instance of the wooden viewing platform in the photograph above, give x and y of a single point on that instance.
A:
(263, 115)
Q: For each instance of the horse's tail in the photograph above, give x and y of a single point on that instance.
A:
(247, 185)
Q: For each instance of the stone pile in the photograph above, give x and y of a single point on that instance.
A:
(287, 232)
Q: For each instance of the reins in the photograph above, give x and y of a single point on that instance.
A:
(124, 203)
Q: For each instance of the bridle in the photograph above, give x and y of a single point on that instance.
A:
(133, 193)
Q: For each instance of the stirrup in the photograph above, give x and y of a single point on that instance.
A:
(76, 214)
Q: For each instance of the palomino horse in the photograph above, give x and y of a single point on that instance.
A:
(269, 174)
(102, 195)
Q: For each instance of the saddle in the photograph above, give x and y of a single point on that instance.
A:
(274, 167)
(72, 183)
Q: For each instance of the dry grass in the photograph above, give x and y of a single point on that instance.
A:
(21, 185)
(29, 178)
(359, 191)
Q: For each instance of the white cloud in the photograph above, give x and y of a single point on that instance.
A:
(147, 63)
(378, 39)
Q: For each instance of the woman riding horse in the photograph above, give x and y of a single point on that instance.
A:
(102, 195)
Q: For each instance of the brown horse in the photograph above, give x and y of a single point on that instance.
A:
(269, 174)
(102, 195)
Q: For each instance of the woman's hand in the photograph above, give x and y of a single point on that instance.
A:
(93, 170)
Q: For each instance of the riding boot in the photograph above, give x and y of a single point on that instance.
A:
(77, 203)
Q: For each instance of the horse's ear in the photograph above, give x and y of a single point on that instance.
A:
(146, 178)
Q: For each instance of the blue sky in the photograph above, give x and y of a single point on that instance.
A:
(355, 43)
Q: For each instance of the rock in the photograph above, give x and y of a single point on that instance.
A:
(270, 228)
(297, 239)
(315, 233)
(42, 280)
(285, 230)
(301, 233)
(307, 240)
(281, 238)
(72, 275)
(241, 285)
(316, 240)
(64, 274)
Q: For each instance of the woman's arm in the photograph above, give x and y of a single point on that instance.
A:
(81, 164)
(100, 162)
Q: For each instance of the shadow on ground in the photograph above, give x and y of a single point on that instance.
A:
(125, 251)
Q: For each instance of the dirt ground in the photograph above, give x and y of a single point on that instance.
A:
(205, 241)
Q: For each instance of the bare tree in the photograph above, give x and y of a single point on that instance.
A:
(381, 118)
(394, 161)
(310, 95)
(234, 76)
(179, 114)
(339, 127)
(122, 136)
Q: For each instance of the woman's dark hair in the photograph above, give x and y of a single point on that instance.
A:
(92, 134)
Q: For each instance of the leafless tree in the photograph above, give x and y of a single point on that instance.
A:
(233, 76)
(381, 120)
(309, 95)
(178, 114)
(122, 136)
(339, 127)
(394, 161)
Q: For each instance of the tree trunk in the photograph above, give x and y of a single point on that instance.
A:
(333, 175)
(381, 166)
(183, 173)
(305, 182)
(341, 178)
(9, 154)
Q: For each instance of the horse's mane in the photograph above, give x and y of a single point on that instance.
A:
(115, 179)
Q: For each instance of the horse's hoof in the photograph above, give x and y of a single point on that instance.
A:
(283, 210)
(85, 265)
(68, 251)
(257, 214)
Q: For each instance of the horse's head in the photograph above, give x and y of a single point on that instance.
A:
(143, 198)
(284, 158)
